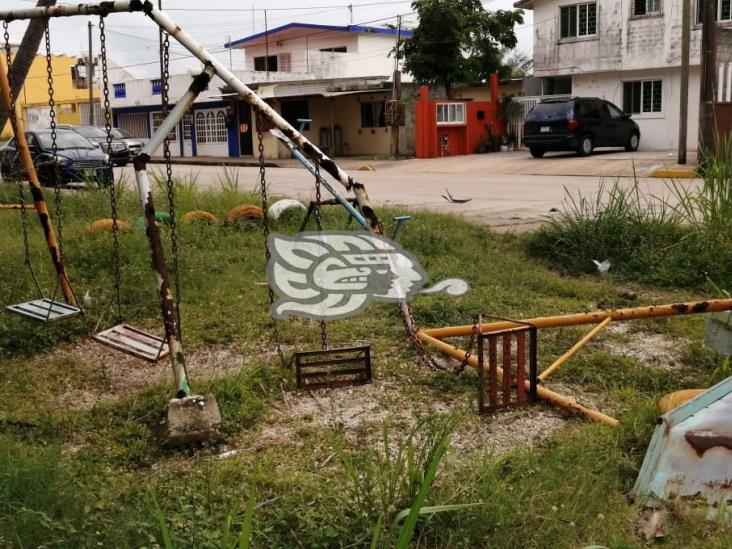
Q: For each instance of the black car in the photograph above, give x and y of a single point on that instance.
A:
(578, 124)
(77, 159)
(119, 152)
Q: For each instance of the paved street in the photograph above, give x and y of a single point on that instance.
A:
(509, 191)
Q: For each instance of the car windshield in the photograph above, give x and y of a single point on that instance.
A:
(121, 134)
(544, 112)
(65, 140)
(90, 131)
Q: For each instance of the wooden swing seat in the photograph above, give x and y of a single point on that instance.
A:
(132, 341)
(44, 310)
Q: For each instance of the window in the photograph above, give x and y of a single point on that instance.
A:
(211, 127)
(451, 113)
(643, 96)
(266, 63)
(578, 20)
(187, 126)
(724, 10)
(157, 121)
(339, 49)
(294, 110)
(612, 112)
(283, 62)
(120, 91)
(372, 114)
(157, 86)
(646, 7)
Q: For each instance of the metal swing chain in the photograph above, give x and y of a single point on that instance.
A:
(319, 226)
(265, 232)
(112, 183)
(170, 188)
(410, 326)
(471, 343)
(21, 194)
(54, 146)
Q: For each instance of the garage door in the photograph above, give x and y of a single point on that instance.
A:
(135, 124)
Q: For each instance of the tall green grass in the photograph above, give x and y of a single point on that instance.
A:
(681, 240)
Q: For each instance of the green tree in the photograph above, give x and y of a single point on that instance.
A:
(458, 41)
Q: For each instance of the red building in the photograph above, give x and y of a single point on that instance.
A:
(447, 127)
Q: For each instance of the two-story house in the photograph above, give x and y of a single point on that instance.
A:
(625, 51)
(338, 77)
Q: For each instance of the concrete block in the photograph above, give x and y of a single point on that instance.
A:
(194, 418)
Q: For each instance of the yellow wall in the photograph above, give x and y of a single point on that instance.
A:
(68, 98)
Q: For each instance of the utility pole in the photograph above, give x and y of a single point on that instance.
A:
(708, 79)
(90, 77)
(266, 45)
(396, 93)
(350, 12)
(231, 60)
(684, 107)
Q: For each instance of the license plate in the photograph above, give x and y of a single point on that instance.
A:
(545, 129)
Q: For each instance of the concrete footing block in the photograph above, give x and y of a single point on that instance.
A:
(191, 419)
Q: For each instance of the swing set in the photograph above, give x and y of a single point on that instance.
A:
(128, 339)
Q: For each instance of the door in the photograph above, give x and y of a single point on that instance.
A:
(188, 136)
(246, 144)
(590, 119)
(613, 122)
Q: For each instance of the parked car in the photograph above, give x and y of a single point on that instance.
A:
(578, 124)
(134, 144)
(77, 159)
(119, 152)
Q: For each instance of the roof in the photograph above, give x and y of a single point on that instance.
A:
(524, 4)
(295, 30)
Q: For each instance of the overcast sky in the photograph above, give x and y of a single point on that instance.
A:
(133, 41)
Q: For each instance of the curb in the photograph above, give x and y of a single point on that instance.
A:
(674, 173)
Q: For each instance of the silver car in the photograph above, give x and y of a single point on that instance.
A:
(134, 144)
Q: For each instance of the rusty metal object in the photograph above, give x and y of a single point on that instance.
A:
(167, 300)
(514, 383)
(333, 367)
(132, 341)
(328, 202)
(45, 310)
(555, 399)
(35, 187)
(575, 348)
(634, 313)
(16, 207)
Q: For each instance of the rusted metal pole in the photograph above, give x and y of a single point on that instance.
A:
(543, 393)
(16, 207)
(579, 319)
(577, 346)
(35, 187)
(167, 300)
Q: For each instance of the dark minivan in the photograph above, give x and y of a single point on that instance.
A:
(578, 124)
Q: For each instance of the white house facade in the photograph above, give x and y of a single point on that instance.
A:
(627, 52)
(339, 77)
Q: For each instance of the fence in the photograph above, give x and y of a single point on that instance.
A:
(516, 127)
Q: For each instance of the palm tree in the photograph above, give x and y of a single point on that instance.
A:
(25, 55)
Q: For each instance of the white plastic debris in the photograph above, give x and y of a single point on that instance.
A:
(281, 206)
(603, 267)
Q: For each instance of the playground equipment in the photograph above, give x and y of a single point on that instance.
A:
(43, 309)
(599, 319)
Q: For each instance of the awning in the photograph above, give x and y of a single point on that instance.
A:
(354, 92)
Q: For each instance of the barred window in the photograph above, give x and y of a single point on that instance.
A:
(578, 20)
(187, 127)
(157, 121)
(451, 113)
(643, 96)
(120, 91)
(724, 10)
(211, 127)
(157, 86)
(646, 7)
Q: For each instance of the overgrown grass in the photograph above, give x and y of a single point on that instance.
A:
(95, 475)
(679, 241)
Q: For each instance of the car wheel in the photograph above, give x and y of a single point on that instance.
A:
(536, 152)
(586, 145)
(633, 142)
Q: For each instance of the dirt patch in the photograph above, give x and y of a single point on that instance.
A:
(653, 349)
(360, 413)
(100, 374)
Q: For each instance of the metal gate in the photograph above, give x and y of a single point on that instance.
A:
(136, 124)
(516, 127)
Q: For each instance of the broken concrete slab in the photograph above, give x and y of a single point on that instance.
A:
(191, 419)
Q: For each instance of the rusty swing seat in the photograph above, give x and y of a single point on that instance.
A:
(44, 310)
(330, 368)
(135, 342)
